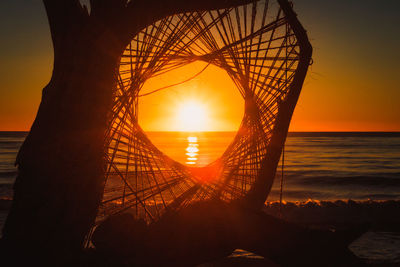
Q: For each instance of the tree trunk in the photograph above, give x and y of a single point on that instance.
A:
(60, 179)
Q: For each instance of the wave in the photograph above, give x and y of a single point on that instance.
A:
(299, 195)
(353, 180)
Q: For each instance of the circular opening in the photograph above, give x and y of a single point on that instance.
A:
(195, 120)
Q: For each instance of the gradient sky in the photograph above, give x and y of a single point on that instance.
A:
(353, 85)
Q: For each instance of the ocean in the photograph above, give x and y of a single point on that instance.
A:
(324, 168)
(317, 166)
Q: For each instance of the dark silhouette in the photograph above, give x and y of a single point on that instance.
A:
(264, 50)
(210, 230)
(62, 163)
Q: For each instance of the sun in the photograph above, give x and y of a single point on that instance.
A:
(191, 116)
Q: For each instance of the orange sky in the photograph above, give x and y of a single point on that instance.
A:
(212, 89)
(353, 84)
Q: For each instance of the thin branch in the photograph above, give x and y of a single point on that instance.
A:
(140, 14)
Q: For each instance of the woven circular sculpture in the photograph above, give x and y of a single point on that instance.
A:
(258, 47)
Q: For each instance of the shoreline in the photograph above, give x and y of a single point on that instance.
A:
(381, 215)
(378, 246)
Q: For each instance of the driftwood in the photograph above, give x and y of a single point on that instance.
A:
(61, 165)
(210, 230)
(264, 50)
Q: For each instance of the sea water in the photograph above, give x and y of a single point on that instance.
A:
(317, 166)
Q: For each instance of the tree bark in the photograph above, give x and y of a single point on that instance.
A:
(61, 163)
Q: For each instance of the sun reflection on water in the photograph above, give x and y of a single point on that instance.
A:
(192, 150)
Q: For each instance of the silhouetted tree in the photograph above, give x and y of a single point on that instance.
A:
(61, 163)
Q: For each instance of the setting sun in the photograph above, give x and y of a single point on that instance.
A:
(210, 102)
(192, 116)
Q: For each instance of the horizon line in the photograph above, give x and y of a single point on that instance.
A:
(160, 131)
